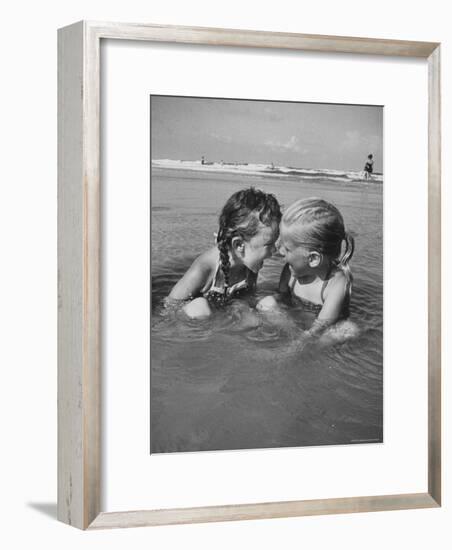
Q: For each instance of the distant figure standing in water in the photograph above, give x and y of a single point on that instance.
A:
(248, 230)
(369, 167)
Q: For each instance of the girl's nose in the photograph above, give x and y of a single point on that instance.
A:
(279, 252)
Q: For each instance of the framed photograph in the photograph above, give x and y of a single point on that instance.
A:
(272, 363)
(249, 275)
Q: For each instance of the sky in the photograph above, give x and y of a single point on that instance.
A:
(300, 135)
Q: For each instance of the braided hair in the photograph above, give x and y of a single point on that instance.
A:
(241, 216)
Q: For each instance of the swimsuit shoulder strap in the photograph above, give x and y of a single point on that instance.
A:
(214, 285)
(244, 283)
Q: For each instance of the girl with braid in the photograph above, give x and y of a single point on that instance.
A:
(316, 277)
(248, 230)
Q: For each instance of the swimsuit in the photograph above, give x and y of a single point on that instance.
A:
(312, 307)
(218, 295)
(307, 305)
(368, 168)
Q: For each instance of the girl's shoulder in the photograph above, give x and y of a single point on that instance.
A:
(337, 282)
(205, 265)
(208, 259)
(196, 278)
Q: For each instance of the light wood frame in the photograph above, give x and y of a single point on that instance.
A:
(79, 361)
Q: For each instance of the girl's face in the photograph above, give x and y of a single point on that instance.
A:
(297, 256)
(260, 247)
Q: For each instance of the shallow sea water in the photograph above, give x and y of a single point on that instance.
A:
(233, 383)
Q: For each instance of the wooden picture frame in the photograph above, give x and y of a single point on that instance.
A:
(79, 383)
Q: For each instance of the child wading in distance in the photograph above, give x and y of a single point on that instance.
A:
(248, 230)
(317, 250)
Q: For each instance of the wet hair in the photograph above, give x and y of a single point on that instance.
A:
(242, 216)
(318, 225)
(370, 156)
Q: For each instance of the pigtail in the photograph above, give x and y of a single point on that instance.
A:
(225, 263)
(346, 257)
(223, 248)
(349, 249)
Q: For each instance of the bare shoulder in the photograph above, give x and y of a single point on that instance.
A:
(337, 283)
(196, 277)
(207, 261)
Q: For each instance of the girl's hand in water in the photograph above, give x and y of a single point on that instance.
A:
(339, 333)
(307, 337)
(300, 342)
(324, 334)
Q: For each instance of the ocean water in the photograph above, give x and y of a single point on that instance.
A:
(233, 383)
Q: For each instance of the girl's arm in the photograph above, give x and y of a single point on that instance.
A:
(193, 281)
(335, 295)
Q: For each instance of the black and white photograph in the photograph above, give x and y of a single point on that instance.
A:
(266, 274)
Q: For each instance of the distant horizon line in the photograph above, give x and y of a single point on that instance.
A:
(269, 164)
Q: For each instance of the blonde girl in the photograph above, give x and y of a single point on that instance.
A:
(317, 250)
